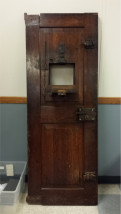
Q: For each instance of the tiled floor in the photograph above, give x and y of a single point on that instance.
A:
(109, 199)
(109, 203)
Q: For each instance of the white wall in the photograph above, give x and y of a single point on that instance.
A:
(12, 41)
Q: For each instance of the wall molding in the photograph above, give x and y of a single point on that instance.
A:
(109, 100)
(23, 100)
(16, 100)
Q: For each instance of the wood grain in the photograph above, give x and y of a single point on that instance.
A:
(33, 110)
(62, 144)
(23, 100)
(61, 20)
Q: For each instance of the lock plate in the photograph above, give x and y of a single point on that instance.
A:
(86, 114)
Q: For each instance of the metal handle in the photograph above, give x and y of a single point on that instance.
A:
(61, 92)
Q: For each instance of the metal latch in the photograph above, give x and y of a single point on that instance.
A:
(86, 114)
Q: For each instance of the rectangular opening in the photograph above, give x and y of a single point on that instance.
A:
(61, 74)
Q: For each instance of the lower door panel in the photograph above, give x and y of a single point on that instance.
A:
(61, 155)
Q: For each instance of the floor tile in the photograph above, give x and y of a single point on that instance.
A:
(35, 209)
(109, 204)
(91, 209)
(112, 189)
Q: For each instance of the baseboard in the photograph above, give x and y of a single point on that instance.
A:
(26, 178)
(102, 179)
(109, 179)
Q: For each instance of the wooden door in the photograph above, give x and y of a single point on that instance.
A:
(62, 108)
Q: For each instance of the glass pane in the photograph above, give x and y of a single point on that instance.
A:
(62, 74)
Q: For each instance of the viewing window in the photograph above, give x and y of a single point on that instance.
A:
(62, 74)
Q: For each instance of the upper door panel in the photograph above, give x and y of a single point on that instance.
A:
(61, 55)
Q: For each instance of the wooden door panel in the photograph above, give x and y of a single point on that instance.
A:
(61, 46)
(91, 62)
(90, 78)
(90, 142)
(62, 143)
(62, 154)
(58, 114)
(51, 40)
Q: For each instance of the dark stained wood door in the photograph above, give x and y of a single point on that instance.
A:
(62, 108)
(61, 155)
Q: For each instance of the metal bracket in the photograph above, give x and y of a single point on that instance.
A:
(89, 44)
(86, 114)
(89, 176)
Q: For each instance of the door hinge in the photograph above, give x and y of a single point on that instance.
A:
(89, 44)
(89, 176)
